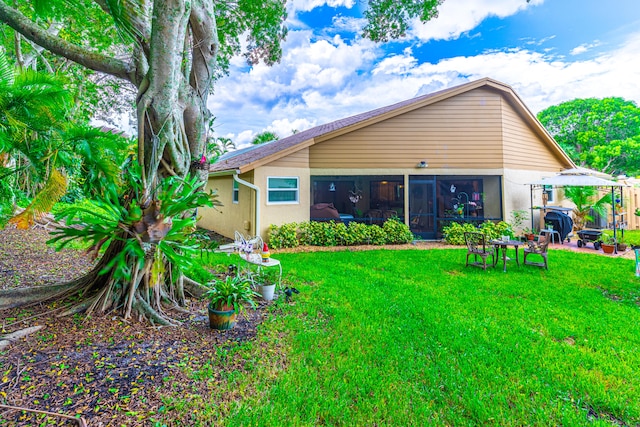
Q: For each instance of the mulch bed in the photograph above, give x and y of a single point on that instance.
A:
(109, 371)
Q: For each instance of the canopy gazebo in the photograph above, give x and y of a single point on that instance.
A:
(580, 177)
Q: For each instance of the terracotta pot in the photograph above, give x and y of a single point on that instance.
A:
(530, 236)
(607, 248)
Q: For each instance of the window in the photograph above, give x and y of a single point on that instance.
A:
(236, 191)
(548, 190)
(282, 190)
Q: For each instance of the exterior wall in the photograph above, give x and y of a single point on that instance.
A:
(230, 217)
(474, 133)
(460, 132)
(279, 214)
(523, 149)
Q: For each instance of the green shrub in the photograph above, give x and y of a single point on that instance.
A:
(454, 233)
(318, 233)
(494, 230)
(358, 233)
(332, 233)
(284, 236)
(377, 236)
(397, 232)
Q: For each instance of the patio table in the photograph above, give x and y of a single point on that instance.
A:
(504, 244)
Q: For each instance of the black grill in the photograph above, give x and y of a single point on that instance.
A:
(561, 222)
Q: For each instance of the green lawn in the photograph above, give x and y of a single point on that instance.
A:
(394, 338)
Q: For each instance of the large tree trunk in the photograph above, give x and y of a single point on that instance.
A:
(172, 68)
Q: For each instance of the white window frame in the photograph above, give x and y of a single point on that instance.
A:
(296, 189)
(235, 192)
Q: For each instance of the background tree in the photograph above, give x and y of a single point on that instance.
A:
(265, 136)
(597, 133)
(171, 51)
(41, 151)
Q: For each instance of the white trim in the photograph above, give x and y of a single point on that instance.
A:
(296, 189)
(257, 189)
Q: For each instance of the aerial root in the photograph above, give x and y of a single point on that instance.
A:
(146, 310)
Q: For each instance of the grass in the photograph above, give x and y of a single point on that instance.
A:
(415, 338)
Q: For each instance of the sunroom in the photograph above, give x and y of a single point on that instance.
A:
(426, 202)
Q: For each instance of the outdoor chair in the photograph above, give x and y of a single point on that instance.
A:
(477, 246)
(539, 248)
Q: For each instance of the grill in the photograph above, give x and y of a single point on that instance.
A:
(561, 222)
(586, 236)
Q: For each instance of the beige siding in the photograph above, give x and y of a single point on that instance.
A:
(524, 149)
(460, 132)
(299, 159)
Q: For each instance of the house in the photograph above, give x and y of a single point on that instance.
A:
(460, 154)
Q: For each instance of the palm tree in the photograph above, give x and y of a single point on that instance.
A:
(39, 147)
(31, 111)
(586, 200)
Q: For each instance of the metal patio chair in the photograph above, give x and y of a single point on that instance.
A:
(477, 246)
(538, 248)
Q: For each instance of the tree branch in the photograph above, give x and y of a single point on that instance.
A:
(94, 61)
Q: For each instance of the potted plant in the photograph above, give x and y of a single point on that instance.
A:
(622, 244)
(227, 298)
(529, 234)
(609, 245)
(265, 281)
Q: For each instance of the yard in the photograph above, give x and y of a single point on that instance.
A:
(379, 337)
(415, 338)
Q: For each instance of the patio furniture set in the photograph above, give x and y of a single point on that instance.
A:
(480, 248)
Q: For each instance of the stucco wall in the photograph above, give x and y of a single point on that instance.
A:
(229, 217)
(279, 214)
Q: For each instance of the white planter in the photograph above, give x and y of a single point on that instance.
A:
(267, 291)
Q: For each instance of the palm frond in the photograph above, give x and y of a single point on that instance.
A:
(6, 71)
(42, 203)
(130, 17)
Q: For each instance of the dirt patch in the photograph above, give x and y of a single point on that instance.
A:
(109, 371)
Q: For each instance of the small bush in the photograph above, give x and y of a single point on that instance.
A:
(454, 233)
(332, 233)
(317, 233)
(285, 236)
(358, 233)
(377, 236)
(494, 230)
(397, 232)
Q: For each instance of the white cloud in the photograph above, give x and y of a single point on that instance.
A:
(319, 81)
(396, 64)
(583, 48)
(456, 17)
(308, 5)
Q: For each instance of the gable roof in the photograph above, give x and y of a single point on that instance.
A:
(247, 159)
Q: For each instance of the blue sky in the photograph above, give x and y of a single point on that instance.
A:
(549, 51)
